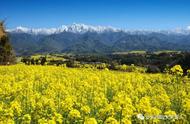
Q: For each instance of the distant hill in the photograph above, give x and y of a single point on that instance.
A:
(80, 38)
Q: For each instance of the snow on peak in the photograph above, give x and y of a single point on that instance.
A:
(75, 28)
(82, 28)
(21, 29)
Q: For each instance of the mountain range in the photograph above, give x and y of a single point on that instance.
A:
(81, 38)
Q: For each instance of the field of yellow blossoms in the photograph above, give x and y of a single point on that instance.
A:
(60, 95)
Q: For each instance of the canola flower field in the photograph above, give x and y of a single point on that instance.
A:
(60, 95)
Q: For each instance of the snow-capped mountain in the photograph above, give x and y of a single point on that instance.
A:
(82, 28)
(75, 28)
(177, 31)
(36, 31)
(73, 38)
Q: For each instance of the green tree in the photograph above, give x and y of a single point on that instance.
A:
(7, 55)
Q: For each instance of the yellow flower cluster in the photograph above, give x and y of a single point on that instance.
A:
(177, 70)
(56, 95)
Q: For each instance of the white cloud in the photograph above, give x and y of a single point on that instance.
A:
(188, 27)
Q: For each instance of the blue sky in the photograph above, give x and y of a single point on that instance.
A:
(129, 14)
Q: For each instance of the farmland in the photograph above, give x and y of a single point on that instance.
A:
(55, 94)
